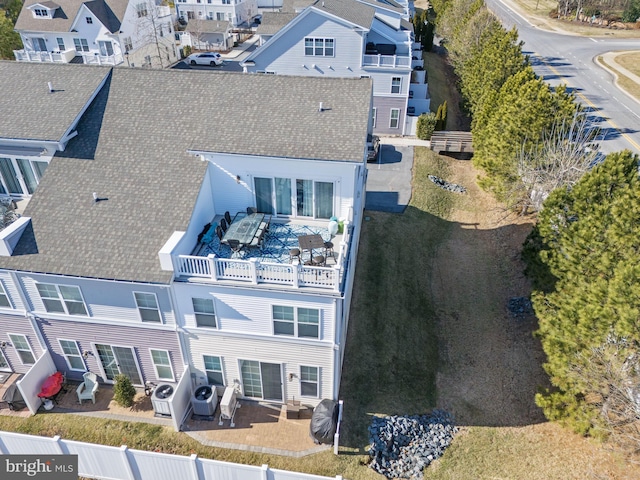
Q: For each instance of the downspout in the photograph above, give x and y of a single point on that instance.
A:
(29, 315)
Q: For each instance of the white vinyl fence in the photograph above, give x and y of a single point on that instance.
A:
(121, 463)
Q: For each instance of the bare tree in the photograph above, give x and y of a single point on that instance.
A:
(153, 27)
(609, 376)
(563, 155)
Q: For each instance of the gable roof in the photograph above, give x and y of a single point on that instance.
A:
(272, 22)
(110, 12)
(30, 112)
(103, 12)
(131, 151)
(207, 26)
(386, 4)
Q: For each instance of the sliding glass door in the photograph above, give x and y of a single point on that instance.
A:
(115, 360)
(312, 199)
(261, 380)
(20, 176)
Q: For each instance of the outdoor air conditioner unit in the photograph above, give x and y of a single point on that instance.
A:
(228, 405)
(205, 400)
(161, 399)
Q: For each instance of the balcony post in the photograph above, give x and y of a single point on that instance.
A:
(336, 278)
(254, 270)
(212, 266)
(296, 275)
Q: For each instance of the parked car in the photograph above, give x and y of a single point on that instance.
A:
(373, 147)
(207, 58)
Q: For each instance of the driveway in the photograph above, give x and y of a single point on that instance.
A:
(389, 179)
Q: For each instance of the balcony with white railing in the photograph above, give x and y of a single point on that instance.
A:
(96, 59)
(386, 61)
(44, 57)
(270, 264)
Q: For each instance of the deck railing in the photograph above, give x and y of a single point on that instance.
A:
(255, 272)
(43, 57)
(386, 61)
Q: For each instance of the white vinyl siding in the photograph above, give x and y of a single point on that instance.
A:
(62, 299)
(162, 364)
(147, 306)
(21, 344)
(72, 354)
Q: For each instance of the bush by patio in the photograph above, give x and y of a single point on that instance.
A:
(123, 391)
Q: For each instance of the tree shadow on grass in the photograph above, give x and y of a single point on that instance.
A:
(429, 326)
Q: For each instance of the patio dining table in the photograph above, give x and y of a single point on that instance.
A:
(243, 228)
(310, 242)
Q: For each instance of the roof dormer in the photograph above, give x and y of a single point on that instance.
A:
(43, 9)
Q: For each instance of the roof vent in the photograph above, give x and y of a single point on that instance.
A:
(320, 107)
(50, 85)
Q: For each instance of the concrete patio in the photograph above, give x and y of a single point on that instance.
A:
(259, 427)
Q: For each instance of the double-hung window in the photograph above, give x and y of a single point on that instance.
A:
(319, 47)
(373, 117)
(213, 368)
(62, 299)
(141, 9)
(61, 45)
(296, 322)
(4, 298)
(23, 348)
(162, 364)
(309, 381)
(396, 83)
(204, 312)
(394, 118)
(72, 354)
(81, 44)
(147, 306)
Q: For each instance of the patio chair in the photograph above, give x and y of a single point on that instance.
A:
(223, 224)
(87, 389)
(251, 210)
(227, 217)
(219, 232)
(235, 246)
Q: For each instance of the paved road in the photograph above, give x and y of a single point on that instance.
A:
(571, 59)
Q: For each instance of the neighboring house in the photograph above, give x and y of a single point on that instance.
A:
(208, 35)
(239, 13)
(349, 38)
(107, 266)
(103, 32)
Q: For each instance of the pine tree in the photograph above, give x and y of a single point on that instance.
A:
(585, 249)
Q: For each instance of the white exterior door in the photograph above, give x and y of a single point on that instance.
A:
(115, 360)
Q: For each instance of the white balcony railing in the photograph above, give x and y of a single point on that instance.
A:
(255, 272)
(44, 57)
(391, 61)
(93, 59)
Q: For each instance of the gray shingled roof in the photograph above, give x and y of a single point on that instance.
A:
(207, 26)
(272, 22)
(104, 13)
(29, 111)
(295, 6)
(131, 150)
(66, 14)
(350, 10)
(388, 4)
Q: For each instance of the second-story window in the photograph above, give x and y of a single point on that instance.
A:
(61, 46)
(128, 44)
(396, 83)
(298, 322)
(81, 44)
(141, 9)
(62, 299)
(89, 20)
(319, 47)
(147, 306)
(4, 298)
(204, 312)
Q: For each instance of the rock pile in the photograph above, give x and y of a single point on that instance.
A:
(452, 187)
(520, 307)
(402, 446)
